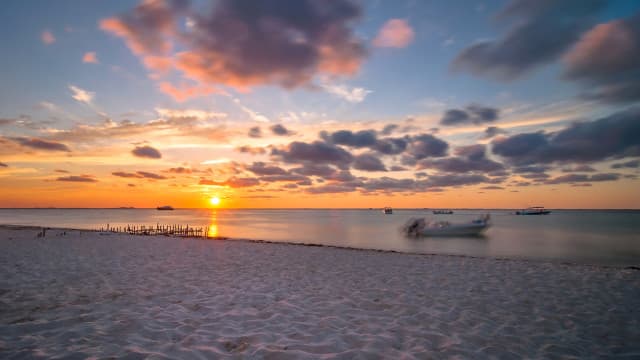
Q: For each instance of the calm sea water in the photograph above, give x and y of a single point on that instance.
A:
(594, 237)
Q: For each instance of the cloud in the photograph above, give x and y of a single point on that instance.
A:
(233, 182)
(280, 130)
(90, 57)
(40, 144)
(388, 129)
(81, 178)
(366, 139)
(396, 33)
(360, 139)
(3, 164)
(184, 92)
(455, 180)
(579, 168)
(492, 187)
(632, 164)
(471, 158)
(330, 189)
(541, 31)
(190, 125)
(145, 29)
(492, 131)
(227, 45)
(146, 152)
(391, 146)
(5, 121)
(251, 150)
(255, 132)
(427, 145)
(316, 152)
(605, 59)
(285, 177)
(125, 174)
(189, 114)
(180, 170)
(81, 95)
(310, 169)
(473, 114)
(353, 95)
(47, 37)
(260, 168)
(139, 175)
(150, 175)
(616, 135)
(368, 162)
(576, 178)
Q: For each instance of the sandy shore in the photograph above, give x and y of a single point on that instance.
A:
(106, 295)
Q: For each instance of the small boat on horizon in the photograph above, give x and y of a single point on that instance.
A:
(443, 212)
(534, 210)
(420, 227)
(165, 207)
(387, 210)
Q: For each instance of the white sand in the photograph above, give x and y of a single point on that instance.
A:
(90, 295)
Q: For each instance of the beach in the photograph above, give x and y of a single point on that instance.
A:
(83, 294)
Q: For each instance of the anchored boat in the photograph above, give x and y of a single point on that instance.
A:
(534, 210)
(420, 227)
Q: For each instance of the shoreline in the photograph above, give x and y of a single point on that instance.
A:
(91, 294)
(225, 238)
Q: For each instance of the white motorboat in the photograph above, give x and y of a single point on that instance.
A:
(420, 227)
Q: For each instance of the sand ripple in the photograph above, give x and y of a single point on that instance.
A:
(84, 295)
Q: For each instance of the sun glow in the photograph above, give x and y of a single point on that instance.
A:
(215, 201)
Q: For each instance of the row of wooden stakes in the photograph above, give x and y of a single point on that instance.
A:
(158, 229)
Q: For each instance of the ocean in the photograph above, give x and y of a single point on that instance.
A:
(599, 237)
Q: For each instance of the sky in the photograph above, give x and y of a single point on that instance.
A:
(320, 104)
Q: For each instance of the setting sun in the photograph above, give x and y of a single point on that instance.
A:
(215, 201)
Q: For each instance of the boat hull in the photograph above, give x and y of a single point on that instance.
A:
(543, 212)
(456, 230)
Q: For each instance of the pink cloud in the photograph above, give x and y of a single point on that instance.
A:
(184, 92)
(47, 37)
(90, 57)
(228, 46)
(607, 47)
(394, 33)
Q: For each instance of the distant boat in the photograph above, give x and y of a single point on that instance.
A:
(534, 210)
(445, 212)
(166, 207)
(419, 227)
(387, 210)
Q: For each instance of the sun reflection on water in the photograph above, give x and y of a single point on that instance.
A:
(213, 225)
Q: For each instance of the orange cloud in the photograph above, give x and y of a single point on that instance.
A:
(394, 33)
(47, 37)
(90, 57)
(184, 92)
(161, 64)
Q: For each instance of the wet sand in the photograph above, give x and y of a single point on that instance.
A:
(88, 294)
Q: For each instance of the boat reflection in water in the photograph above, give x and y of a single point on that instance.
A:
(418, 227)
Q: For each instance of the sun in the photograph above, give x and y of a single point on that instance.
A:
(215, 201)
